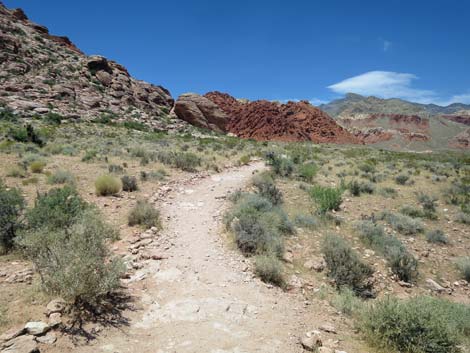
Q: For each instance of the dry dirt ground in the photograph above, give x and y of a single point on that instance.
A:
(202, 297)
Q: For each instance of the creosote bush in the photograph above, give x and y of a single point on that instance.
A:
(417, 325)
(144, 214)
(11, 208)
(463, 265)
(344, 264)
(37, 166)
(402, 179)
(66, 240)
(327, 199)
(107, 185)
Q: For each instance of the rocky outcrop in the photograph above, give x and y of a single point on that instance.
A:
(201, 111)
(459, 118)
(461, 140)
(295, 121)
(41, 73)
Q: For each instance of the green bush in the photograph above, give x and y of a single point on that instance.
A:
(129, 183)
(305, 221)
(37, 166)
(308, 171)
(388, 192)
(280, 165)
(403, 224)
(89, 155)
(463, 265)
(437, 236)
(107, 185)
(344, 264)
(266, 187)
(411, 211)
(74, 262)
(58, 208)
(463, 218)
(159, 174)
(269, 269)
(244, 160)
(11, 208)
(418, 325)
(357, 188)
(402, 179)
(401, 262)
(428, 202)
(347, 302)
(17, 172)
(186, 161)
(327, 198)
(115, 168)
(258, 225)
(144, 214)
(61, 177)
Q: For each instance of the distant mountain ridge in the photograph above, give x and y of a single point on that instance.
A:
(355, 104)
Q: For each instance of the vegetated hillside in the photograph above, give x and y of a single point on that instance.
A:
(262, 120)
(353, 105)
(398, 124)
(42, 73)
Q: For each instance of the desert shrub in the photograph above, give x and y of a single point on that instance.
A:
(144, 214)
(115, 168)
(402, 223)
(266, 187)
(388, 192)
(11, 208)
(129, 183)
(57, 208)
(357, 188)
(437, 236)
(269, 269)
(402, 179)
(89, 155)
(37, 166)
(344, 264)
(159, 174)
(53, 118)
(463, 265)
(107, 185)
(244, 160)
(400, 261)
(305, 221)
(61, 177)
(428, 202)
(307, 171)
(412, 211)
(417, 325)
(327, 199)
(347, 302)
(281, 165)
(74, 262)
(17, 172)
(463, 218)
(186, 161)
(258, 225)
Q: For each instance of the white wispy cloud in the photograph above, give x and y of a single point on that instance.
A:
(388, 84)
(386, 44)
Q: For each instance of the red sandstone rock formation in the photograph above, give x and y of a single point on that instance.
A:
(294, 121)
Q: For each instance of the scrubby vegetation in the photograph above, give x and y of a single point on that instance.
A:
(327, 199)
(11, 208)
(107, 185)
(144, 214)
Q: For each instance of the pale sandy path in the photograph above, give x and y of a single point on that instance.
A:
(202, 297)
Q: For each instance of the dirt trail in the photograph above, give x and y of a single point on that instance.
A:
(203, 297)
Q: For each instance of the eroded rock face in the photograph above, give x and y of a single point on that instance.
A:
(40, 72)
(201, 111)
(295, 121)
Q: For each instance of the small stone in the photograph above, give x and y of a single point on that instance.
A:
(55, 306)
(311, 342)
(49, 338)
(325, 350)
(12, 333)
(328, 328)
(55, 319)
(36, 328)
(434, 286)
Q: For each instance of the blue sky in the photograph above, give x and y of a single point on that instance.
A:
(315, 50)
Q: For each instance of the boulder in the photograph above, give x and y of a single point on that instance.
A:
(55, 306)
(200, 111)
(97, 63)
(21, 344)
(311, 341)
(434, 286)
(36, 328)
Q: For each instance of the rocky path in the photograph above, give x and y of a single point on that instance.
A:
(203, 297)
